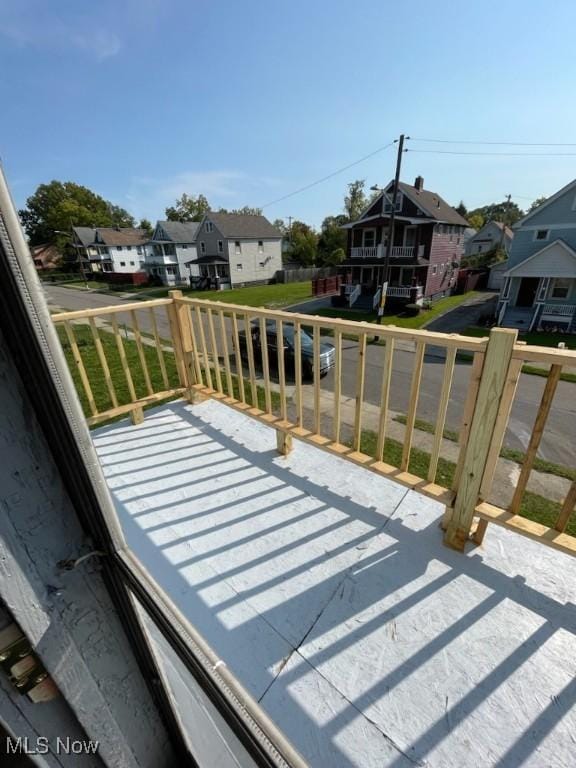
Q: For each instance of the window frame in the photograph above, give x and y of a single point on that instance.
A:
(537, 239)
(202, 247)
(220, 246)
(553, 286)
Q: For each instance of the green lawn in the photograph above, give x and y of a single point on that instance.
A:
(534, 507)
(96, 375)
(537, 338)
(400, 319)
(273, 296)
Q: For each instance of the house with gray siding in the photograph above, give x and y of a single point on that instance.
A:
(494, 234)
(237, 249)
(170, 249)
(539, 287)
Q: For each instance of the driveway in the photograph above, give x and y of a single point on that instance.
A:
(459, 318)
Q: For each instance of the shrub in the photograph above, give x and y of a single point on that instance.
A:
(411, 310)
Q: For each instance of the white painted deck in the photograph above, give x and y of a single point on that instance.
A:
(328, 592)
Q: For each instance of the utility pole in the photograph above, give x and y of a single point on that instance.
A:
(508, 198)
(289, 228)
(391, 227)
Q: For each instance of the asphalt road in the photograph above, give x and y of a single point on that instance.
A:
(558, 443)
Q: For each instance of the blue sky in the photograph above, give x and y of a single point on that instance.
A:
(245, 102)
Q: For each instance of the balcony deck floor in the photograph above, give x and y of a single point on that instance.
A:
(327, 591)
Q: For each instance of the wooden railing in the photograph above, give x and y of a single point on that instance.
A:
(200, 349)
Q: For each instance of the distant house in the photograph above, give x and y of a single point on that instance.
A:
(426, 252)
(45, 256)
(111, 249)
(492, 235)
(171, 247)
(237, 249)
(539, 288)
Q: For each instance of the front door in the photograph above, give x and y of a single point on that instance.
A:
(527, 291)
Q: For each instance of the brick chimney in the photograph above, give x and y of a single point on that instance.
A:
(419, 183)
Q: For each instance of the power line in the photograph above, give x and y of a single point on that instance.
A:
(493, 154)
(329, 176)
(497, 143)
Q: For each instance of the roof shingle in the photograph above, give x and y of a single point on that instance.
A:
(243, 225)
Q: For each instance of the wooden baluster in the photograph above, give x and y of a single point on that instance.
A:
(224, 337)
(251, 366)
(204, 348)
(384, 398)
(281, 367)
(413, 404)
(316, 368)
(298, 374)
(173, 320)
(536, 436)
(123, 360)
(360, 375)
(238, 357)
(141, 353)
(468, 413)
(265, 364)
(215, 356)
(567, 509)
(103, 362)
(159, 350)
(337, 386)
(80, 368)
(442, 410)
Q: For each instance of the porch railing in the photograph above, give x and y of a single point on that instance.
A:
(403, 251)
(369, 252)
(200, 349)
(559, 310)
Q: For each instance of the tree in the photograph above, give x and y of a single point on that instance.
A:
(280, 225)
(146, 225)
(304, 244)
(355, 201)
(246, 211)
(336, 257)
(476, 220)
(188, 208)
(56, 206)
(461, 209)
(507, 212)
(537, 203)
(332, 238)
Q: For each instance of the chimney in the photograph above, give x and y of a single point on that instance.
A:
(419, 183)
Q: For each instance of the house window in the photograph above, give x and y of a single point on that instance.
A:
(560, 288)
(170, 271)
(131, 263)
(128, 247)
(184, 246)
(202, 246)
(122, 263)
(209, 226)
(107, 268)
(139, 250)
(261, 264)
(119, 247)
(388, 204)
(541, 234)
(369, 238)
(434, 269)
(239, 267)
(237, 246)
(260, 246)
(220, 246)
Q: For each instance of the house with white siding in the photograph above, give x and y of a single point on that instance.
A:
(170, 249)
(539, 288)
(236, 249)
(111, 249)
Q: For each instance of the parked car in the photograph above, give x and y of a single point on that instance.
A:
(327, 353)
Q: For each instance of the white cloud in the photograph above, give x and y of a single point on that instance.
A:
(30, 23)
(148, 197)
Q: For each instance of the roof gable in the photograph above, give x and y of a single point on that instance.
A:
(240, 225)
(177, 231)
(556, 259)
(430, 203)
(567, 191)
(121, 236)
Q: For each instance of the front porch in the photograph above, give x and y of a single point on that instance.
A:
(325, 589)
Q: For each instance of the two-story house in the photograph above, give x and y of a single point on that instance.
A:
(170, 249)
(539, 289)
(426, 252)
(237, 249)
(111, 249)
(494, 234)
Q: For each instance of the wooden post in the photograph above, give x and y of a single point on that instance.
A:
(182, 342)
(137, 416)
(283, 442)
(495, 374)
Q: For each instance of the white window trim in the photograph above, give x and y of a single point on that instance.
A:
(368, 229)
(553, 286)
(237, 247)
(239, 267)
(220, 246)
(541, 239)
(202, 246)
(434, 269)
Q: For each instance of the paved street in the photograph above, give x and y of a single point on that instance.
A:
(559, 441)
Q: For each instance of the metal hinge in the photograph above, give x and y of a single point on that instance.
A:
(23, 667)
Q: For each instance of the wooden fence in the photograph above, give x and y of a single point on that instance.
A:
(211, 349)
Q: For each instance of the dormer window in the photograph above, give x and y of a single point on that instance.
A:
(541, 234)
(388, 203)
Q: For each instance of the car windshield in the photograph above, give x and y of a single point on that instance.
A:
(305, 338)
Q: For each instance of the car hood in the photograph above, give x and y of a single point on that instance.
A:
(325, 349)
